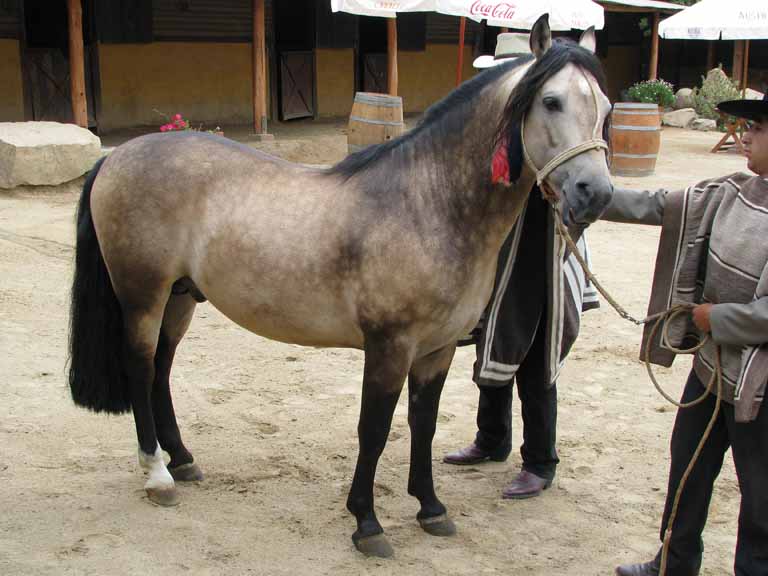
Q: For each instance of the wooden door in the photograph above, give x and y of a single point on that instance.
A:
(375, 73)
(45, 62)
(297, 79)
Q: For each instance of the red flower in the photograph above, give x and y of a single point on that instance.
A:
(177, 117)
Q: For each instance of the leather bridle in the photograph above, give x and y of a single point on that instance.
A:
(594, 143)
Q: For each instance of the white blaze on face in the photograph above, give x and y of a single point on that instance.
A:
(153, 464)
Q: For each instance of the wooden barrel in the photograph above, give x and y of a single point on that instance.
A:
(375, 118)
(635, 138)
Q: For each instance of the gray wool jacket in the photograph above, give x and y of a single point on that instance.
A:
(712, 250)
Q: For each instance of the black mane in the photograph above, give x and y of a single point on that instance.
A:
(438, 118)
(447, 117)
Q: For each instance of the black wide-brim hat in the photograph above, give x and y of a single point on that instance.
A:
(749, 109)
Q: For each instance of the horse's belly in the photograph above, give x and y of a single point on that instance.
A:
(307, 321)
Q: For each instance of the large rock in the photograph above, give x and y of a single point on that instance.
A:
(679, 118)
(45, 153)
(683, 99)
(704, 125)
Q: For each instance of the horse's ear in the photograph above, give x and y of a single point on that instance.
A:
(588, 39)
(541, 36)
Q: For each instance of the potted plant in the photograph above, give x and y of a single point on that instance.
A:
(657, 92)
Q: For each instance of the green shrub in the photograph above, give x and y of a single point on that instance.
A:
(715, 88)
(652, 92)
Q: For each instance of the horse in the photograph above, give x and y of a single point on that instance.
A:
(392, 251)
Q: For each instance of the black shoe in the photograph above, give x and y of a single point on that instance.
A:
(646, 569)
(473, 454)
(525, 485)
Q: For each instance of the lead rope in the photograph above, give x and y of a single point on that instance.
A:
(660, 320)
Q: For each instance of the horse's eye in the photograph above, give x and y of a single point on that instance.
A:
(553, 104)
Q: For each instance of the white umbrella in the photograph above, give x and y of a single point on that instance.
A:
(383, 8)
(719, 19)
(563, 14)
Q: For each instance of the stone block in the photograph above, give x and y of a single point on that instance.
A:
(683, 99)
(45, 153)
(704, 125)
(679, 118)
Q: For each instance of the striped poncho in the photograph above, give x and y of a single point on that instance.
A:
(537, 285)
(714, 248)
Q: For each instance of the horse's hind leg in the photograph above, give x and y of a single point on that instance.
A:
(176, 320)
(386, 365)
(142, 329)
(425, 383)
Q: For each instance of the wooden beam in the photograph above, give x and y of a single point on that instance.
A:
(653, 65)
(77, 63)
(392, 56)
(460, 61)
(259, 69)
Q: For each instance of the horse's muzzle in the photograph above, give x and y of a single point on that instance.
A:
(586, 200)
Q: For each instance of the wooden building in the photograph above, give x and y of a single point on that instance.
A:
(201, 58)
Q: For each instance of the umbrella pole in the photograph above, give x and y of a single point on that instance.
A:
(392, 56)
(460, 63)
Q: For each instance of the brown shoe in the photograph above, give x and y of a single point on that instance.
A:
(646, 569)
(473, 454)
(525, 485)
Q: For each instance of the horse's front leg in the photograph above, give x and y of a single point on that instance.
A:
(386, 365)
(425, 383)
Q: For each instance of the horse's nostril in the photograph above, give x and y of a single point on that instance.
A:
(582, 186)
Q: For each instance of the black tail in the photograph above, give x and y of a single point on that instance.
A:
(96, 376)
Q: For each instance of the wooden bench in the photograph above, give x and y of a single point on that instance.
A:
(734, 128)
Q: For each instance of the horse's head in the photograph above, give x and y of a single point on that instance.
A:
(555, 118)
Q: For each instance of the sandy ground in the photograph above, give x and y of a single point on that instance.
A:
(274, 428)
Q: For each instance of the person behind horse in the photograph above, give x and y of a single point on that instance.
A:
(713, 246)
(522, 337)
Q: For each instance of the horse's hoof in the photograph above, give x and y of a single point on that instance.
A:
(186, 473)
(440, 525)
(167, 497)
(377, 545)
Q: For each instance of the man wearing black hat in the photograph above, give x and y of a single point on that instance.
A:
(713, 253)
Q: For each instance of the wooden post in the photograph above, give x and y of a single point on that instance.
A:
(737, 68)
(392, 56)
(653, 65)
(259, 69)
(460, 62)
(745, 75)
(77, 63)
(711, 55)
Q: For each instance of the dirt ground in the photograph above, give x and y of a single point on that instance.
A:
(273, 427)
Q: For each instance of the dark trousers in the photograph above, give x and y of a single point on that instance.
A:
(538, 403)
(749, 445)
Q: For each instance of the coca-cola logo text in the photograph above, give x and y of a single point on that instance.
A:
(493, 10)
